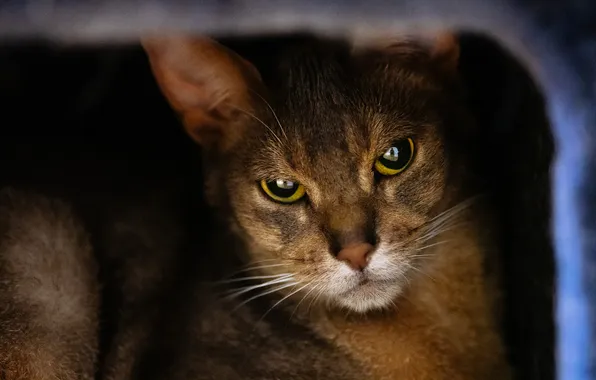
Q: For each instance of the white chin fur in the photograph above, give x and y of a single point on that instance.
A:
(385, 283)
(370, 296)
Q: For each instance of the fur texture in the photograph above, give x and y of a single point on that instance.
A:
(48, 289)
(321, 118)
(161, 319)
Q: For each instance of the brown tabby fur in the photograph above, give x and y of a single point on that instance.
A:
(48, 292)
(321, 118)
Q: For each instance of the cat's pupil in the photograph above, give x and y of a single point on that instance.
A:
(284, 184)
(392, 154)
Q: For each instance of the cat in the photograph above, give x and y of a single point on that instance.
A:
(336, 111)
(342, 175)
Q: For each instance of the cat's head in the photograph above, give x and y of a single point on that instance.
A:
(336, 167)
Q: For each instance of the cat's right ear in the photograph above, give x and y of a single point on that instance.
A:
(205, 83)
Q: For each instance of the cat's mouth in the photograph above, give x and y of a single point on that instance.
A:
(366, 282)
(376, 286)
(366, 291)
(368, 294)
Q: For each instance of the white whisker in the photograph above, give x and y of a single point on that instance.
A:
(455, 209)
(283, 299)
(256, 268)
(444, 222)
(436, 232)
(260, 121)
(305, 296)
(237, 292)
(253, 278)
(414, 268)
(421, 255)
(319, 294)
(273, 112)
(264, 294)
(431, 245)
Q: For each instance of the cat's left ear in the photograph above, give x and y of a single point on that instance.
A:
(208, 85)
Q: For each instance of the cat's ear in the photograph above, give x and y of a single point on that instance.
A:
(441, 47)
(204, 82)
(445, 51)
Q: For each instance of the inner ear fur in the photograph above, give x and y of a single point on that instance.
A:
(208, 85)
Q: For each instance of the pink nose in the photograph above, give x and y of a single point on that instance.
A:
(355, 255)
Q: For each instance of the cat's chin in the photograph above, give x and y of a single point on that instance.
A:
(370, 296)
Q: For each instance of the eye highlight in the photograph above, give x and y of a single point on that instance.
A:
(396, 159)
(282, 190)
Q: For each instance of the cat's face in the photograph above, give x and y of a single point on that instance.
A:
(337, 173)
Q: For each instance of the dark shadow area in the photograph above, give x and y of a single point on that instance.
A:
(515, 154)
(90, 125)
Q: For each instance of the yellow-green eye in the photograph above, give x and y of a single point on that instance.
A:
(396, 159)
(283, 190)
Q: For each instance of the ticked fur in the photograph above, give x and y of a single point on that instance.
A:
(424, 307)
(48, 291)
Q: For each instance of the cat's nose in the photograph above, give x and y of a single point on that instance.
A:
(355, 255)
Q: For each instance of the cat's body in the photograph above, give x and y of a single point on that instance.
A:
(196, 335)
(168, 320)
(428, 310)
(48, 291)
